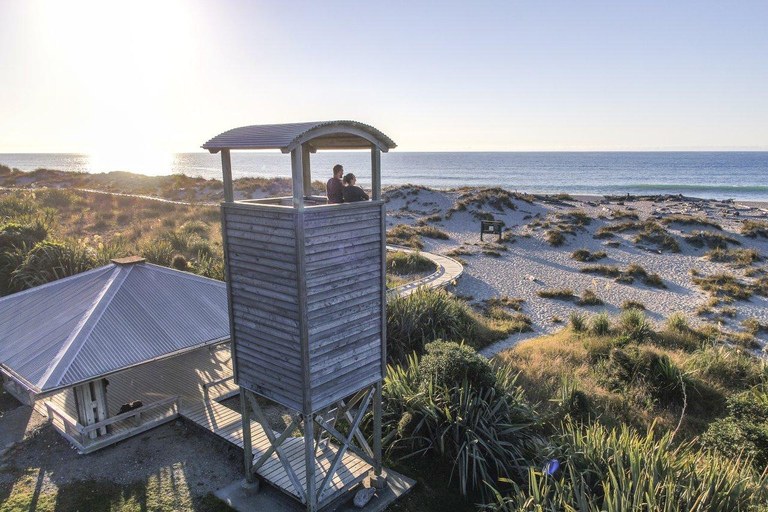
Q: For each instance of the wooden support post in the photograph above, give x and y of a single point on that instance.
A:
(375, 173)
(306, 171)
(226, 170)
(309, 454)
(297, 176)
(377, 429)
(100, 402)
(245, 409)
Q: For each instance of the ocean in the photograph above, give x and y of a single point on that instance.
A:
(716, 174)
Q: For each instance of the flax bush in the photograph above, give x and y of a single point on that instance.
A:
(603, 470)
(481, 434)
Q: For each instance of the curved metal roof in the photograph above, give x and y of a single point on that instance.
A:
(113, 317)
(286, 137)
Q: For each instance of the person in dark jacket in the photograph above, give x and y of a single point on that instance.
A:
(352, 192)
(334, 187)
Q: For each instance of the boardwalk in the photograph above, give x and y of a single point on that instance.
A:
(448, 271)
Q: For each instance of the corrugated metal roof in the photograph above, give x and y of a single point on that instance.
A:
(343, 135)
(113, 317)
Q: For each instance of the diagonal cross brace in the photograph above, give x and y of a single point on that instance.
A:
(345, 444)
(265, 456)
(280, 455)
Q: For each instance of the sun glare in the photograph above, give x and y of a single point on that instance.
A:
(132, 59)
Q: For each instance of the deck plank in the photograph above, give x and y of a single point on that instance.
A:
(227, 424)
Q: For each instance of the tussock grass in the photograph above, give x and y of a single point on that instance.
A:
(630, 304)
(589, 298)
(739, 257)
(586, 256)
(710, 239)
(690, 220)
(724, 285)
(558, 293)
(750, 228)
(410, 236)
(627, 276)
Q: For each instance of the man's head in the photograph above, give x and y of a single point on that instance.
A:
(349, 179)
(338, 170)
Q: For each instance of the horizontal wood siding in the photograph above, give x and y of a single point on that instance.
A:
(344, 312)
(261, 254)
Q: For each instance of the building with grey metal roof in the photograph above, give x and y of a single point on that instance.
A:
(114, 317)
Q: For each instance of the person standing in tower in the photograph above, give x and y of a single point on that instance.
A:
(334, 187)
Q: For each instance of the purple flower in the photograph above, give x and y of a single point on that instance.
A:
(550, 467)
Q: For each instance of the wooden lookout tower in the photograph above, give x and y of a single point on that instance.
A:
(307, 306)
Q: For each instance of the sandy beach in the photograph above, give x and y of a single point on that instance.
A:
(528, 264)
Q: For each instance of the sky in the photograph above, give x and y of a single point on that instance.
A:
(110, 78)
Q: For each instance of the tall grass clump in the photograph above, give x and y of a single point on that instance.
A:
(600, 324)
(406, 263)
(49, 261)
(577, 321)
(482, 434)
(618, 470)
(634, 324)
(426, 315)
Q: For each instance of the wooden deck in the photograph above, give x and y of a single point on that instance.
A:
(187, 379)
(227, 423)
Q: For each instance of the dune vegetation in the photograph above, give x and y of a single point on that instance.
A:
(610, 413)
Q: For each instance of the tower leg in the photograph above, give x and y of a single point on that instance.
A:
(245, 409)
(378, 476)
(309, 454)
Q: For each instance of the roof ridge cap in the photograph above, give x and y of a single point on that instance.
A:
(78, 336)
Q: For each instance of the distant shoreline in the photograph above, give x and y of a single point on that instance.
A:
(186, 189)
(712, 174)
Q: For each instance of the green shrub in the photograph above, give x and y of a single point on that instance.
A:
(179, 262)
(15, 236)
(49, 261)
(744, 432)
(197, 227)
(600, 324)
(450, 364)
(620, 470)
(210, 267)
(482, 434)
(56, 198)
(159, 252)
(16, 205)
(728, 366)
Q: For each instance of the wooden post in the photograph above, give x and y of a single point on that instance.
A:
(306, 171)
(309, 457)
(297, 175)
(100, 402)
(377, 430)
(245, 409)
(226, 170)
(375, 173)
